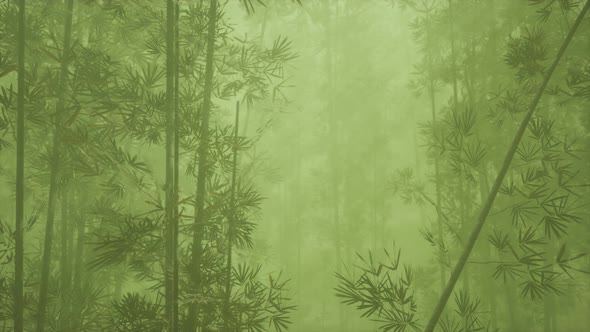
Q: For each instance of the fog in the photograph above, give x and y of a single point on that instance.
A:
(285, 165)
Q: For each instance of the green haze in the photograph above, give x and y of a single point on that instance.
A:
(294, 165)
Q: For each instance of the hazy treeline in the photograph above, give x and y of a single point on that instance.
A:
(313, 165)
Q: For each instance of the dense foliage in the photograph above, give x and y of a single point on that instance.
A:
(315, 165)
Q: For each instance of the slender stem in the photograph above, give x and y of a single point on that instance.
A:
(453, 58)
(444, 219)
(20, 175)
(78, 274)
(55, 156)
(501, 174)
(230, 223)
(169, 284)
(176, 161)
(203, 152)
(437, 177)
(65, 258)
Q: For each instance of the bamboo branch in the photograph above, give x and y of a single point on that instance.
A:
(501, 174)
(445, 219)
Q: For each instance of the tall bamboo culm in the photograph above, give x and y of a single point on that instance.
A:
(20, 175)
(500, 177)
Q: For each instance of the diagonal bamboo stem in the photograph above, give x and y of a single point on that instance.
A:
(505, 166)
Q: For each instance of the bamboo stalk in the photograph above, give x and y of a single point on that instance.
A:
(20, 176)
(46, 261)
(231, 221)
(65, 261)
(501, 174)
(203, 151)
(169, 284)
(437, 176)
(176, 162)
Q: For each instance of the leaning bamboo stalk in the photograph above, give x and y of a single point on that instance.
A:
(501, 174)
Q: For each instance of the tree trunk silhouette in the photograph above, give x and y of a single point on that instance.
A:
(437, 178)
(78, 270)
(54, 171)
(230, 224)
(65, 265)
(501, 174)
(176, 160)
(203, 150)
(20, 176)
(297, 217)
(170, 263)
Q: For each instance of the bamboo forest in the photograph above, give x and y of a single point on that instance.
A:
(295, 165)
